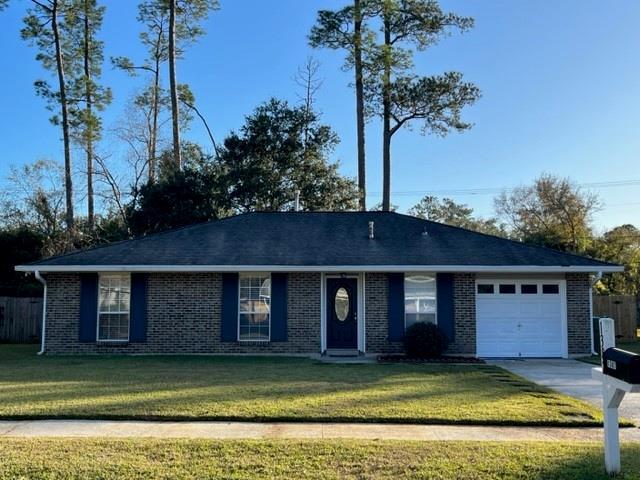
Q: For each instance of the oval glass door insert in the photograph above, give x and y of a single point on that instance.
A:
(341, 303)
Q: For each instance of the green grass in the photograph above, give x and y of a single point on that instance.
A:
(629, 346)
(285, 459)
(274, 389)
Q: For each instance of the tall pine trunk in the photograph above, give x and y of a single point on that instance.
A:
(153, 140)
(154, 124)
(89, 115)
(68, 181)
(173, 84)
(362, 184)
(386, 114)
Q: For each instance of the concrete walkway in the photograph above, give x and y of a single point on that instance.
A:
(315, 431)
(572, 378)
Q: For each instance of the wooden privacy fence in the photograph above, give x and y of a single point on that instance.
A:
(624, 311)
(20, 319)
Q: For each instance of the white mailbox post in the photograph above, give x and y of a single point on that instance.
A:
(613, 391)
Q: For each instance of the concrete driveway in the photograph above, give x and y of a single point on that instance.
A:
(570, 377)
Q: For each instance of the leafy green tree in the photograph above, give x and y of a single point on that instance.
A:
(553, 212)
(279, 151)
(456, 214)
(346, 29)
(400, 97)
(269, 160)
(378, 208)
(44, 28)
(619, 245)
(19, 245)
(83, 22)
(179, 197)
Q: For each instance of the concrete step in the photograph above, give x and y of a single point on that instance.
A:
(342, 352)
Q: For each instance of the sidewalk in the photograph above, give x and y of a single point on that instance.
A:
(314, 431)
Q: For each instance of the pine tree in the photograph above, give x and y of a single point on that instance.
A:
(346, 29)
(44, 29)
(400, 96)
(83, 22)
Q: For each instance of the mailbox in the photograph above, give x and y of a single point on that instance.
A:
(622, 365)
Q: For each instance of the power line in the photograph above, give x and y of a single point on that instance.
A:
(496, 190)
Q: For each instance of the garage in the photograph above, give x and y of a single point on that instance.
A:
(521, 318)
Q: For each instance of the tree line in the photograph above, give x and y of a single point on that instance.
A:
(143, 175)
(380, 38)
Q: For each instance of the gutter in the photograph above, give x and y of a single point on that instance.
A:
(594, 279)
(322, 268)
(44, 310)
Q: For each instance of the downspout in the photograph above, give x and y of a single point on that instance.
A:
(594, 279)
(44, 310)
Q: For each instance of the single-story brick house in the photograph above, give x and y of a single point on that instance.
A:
(316, 283)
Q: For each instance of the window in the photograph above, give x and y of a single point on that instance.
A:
(114, 293)
(551, 288)
(419, 299)
(341, 304)
(529, 288)
(254, 312)
(508, 288)
(485, 288)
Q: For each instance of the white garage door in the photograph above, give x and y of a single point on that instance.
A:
(521, 318)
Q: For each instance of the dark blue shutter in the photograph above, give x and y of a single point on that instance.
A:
(278, 307)
(138, 321)
(444, 284)
(229, 327)
(396, 307)
(88, 307)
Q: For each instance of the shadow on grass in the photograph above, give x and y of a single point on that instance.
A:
(274, 389)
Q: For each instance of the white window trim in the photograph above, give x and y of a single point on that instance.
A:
(253, 274)
(404, 294)
(98, 339)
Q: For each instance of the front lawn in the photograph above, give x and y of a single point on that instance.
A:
(273, 388)
(285, 459)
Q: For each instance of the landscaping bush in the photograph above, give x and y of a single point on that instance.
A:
(424, 340)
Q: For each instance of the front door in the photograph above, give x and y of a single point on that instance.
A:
(342, 313)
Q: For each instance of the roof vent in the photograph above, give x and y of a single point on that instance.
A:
(296, 202)
(425, 233)
(371, 231)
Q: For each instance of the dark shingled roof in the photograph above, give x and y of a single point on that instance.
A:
(320, 239)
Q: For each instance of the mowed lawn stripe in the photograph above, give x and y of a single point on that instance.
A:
(89, 459)
(273, 388)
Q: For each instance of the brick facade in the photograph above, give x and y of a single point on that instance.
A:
(184, 311)
(464, 314)
(578, 313)
(376, 309)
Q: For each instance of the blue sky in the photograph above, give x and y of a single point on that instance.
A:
(560, 83)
